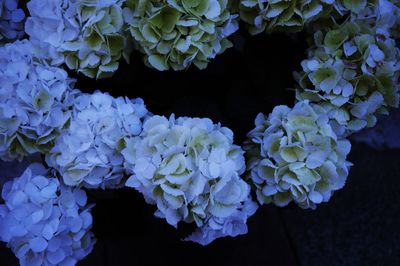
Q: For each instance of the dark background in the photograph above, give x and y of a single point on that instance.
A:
(359, 226)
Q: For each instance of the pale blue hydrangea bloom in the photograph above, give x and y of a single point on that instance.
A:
(233, 225)
(86, 33)
(11, 21)
(189, 168)
(34, 100)
(88, 150)
(294, 155)
(43, 221)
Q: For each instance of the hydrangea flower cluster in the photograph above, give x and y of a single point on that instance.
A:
(35, 99)
(293, 15)
(88, 33)
(88, 152)
(176, 33)
(191, 169)
(352, 72)
(44, 222)
(232, 226)
(288, 15)
(11, 21)
(294, 155)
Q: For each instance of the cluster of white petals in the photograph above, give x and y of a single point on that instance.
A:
(11, 21)
(190, 169)
(88, 152)
(43, 221)
(35, 100)
(294, 155)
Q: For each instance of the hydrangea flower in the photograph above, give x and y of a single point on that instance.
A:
(294, 155)
(88, 150)
(176, 33)
(43, 221)
(34, 101)
(88, 33)
(11, 21)
(233, 225)
(288, 15)
(352, 72)
(293, 15)
(190, 169)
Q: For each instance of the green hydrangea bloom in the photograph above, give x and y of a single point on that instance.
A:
(294, 155)
(293, 15)
(353, 73)
(288, 15)
(104, 43)
(175, 33)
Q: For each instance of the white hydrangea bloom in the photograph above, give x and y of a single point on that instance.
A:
(294, 155)
(43, 221)
(11, 21)
(34, 101)
(88, 150)
(189, 167)
(86, 33)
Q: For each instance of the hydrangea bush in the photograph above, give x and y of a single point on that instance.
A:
(353, 73)
(43, 221)
(294, 155)
(35, 101)
(88, 152)
(11, 21)
(176, 33)
(190, 169)
(87, 33)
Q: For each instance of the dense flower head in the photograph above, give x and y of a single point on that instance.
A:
(176, 33)
(233, 225)
(87, 33)
(88, 150)
(288, 15)
(43, 221)
(190, 168)
(293, 15)
(11, 21)
(34, 101)
(353, 72)
(294, 155)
